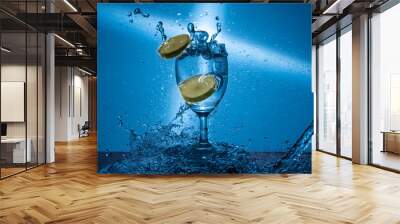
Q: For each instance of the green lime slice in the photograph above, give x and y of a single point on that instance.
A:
(174, 46)
(198, 87)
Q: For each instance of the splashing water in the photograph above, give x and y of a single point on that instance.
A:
(182, 109)
(200, 44)
(190, 28)
(160, 29)
(219, 27)
(168, 149)
(138, 11)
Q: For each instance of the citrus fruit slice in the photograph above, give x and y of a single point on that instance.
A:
(174, 46)
(198, 87)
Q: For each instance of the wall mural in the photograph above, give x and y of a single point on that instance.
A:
(204, 88)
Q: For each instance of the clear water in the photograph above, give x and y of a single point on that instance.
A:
(217, 66)
(204, 57)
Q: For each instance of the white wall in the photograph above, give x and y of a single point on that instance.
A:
(10, 73)
(81, 110)
(62, 82)
(16, 73)
(71, 102)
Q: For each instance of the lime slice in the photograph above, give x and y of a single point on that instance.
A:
(174, 46)
(198, 87)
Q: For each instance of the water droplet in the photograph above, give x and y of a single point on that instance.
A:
(190, 28)
(138, 11)
(219, 28)
(160, 29)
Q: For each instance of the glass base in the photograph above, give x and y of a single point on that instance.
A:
(202, 151)
(203, 146)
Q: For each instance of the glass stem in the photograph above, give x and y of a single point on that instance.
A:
(203, 129)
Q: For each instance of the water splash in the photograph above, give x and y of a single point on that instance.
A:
(219, 28)
(200, 44)
(138, 11)
(190, 28)
(179, 115)
(169, 149)
(160, 29)
(293, 161)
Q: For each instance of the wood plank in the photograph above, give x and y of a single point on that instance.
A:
(70, 191)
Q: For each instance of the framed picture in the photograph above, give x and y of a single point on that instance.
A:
(204, 88)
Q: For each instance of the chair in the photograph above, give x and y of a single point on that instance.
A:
(84, 130)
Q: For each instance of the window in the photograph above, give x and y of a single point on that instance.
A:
(22, 88)
(385, 89)
(327, 95)
(346, 92)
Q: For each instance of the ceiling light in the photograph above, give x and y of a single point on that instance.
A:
(70, 5)
(65, 41)
(337, 7)
(5, 50)
(84, 71)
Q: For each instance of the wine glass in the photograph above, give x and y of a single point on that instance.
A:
(202, 77)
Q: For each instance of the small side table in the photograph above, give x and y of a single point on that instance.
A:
(391, 141)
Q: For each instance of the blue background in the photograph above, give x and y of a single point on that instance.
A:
(268, 102)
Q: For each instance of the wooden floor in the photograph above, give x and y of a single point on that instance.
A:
(70, 191)
(5, 172)
(386, 159)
